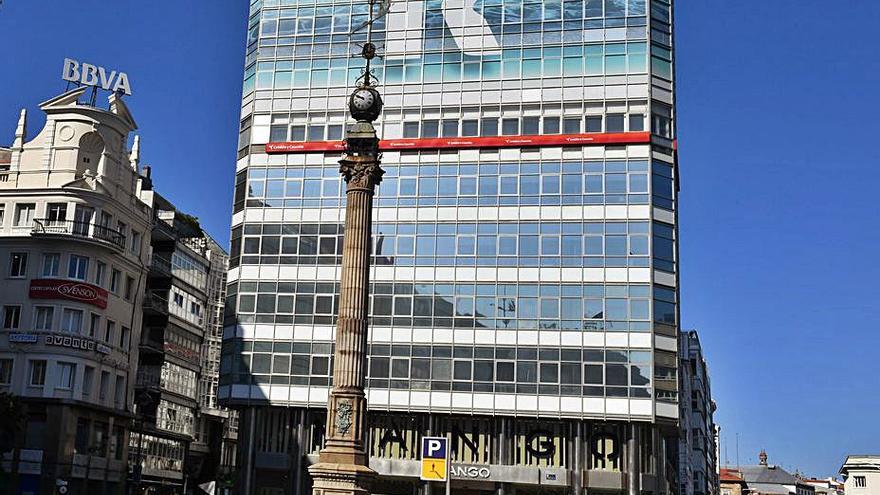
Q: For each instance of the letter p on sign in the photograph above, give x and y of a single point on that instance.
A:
(434, 451)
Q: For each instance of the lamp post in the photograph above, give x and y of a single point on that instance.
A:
(342, 468)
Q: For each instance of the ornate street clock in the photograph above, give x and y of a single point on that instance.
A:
(365, 104)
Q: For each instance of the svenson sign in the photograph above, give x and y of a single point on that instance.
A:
(71, 291)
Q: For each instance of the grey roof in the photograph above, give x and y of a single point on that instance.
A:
(769, 488)
(767, 474)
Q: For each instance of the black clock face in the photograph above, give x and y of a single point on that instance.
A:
(365, 104)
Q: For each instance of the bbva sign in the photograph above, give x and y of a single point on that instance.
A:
(92, 75)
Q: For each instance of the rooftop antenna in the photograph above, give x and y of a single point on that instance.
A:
(726, 457)
(737, 450)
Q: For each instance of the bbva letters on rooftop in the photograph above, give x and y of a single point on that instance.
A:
(91, 75)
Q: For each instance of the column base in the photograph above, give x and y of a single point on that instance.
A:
(341, 479)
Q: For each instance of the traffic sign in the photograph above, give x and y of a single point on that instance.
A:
(435, 452)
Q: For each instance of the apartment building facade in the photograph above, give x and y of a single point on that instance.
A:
(697, 447)
(74, 244)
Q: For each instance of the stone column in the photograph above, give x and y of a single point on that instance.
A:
(342, 466)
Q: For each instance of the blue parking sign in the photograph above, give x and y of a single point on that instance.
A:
(434, 448)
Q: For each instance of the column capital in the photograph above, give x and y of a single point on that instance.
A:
(361, 171)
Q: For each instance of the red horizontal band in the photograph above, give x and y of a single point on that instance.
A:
(469, 142)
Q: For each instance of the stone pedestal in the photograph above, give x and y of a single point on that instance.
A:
(342, 465)
(341, 479)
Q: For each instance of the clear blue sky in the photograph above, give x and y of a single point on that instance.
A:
(778, 104)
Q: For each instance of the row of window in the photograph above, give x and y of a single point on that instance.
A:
(469, 185)
(57, 221)
(589, 307)
(189, 268)
(490, 245)
(342, 18)
(46, 318)
(77, 268)
(486, 126)
(433, 201)
(595, 60)
(186, 306)
(433, 43)
(569, 244)
(175, 418)
(158, 453)
(92, 438)
(66, 379)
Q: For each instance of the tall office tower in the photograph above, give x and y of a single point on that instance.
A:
(524, 282)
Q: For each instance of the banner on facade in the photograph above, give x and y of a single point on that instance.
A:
(68, 290)
(469, 142)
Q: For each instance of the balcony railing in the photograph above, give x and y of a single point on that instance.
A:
(160, 264)
(149, 379)
(75, 228)
(155, 302)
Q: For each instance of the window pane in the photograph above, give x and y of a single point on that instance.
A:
(615, 122)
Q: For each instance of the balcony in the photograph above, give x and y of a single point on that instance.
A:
(160, 265)
(149, 377)
(155, 303)
(82, 230)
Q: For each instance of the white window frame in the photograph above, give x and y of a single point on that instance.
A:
(77, 263)
(17, 323)
(68, 311)
(51, 265)
(22, 267)
(40, 321)
(114, 280)
(66, 375)
(7, 368)
(88, 380)
(31, 368)
(30, 213)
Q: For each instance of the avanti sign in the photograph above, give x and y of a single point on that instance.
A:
(95, 76)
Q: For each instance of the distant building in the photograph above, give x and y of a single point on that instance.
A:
(825, 486)
(861, 474)
(179, 437)
(73, 252)
(731, 482)
(217, 429)
(768, 479)
(697, 444)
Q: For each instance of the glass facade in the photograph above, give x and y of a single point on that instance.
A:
(505, 280)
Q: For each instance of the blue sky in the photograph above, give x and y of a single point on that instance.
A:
(778, 108)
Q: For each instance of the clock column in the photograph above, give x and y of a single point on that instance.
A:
(342, 468)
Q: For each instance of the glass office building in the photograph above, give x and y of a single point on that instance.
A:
(524, 283)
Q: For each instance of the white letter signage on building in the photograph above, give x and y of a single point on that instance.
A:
(93, 75)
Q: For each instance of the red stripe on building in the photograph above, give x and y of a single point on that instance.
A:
(469, 142)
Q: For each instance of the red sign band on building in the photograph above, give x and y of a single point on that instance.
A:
(68, 290)
(469, 142)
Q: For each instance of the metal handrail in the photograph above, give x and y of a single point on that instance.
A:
(76, 228)
(156, 302)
